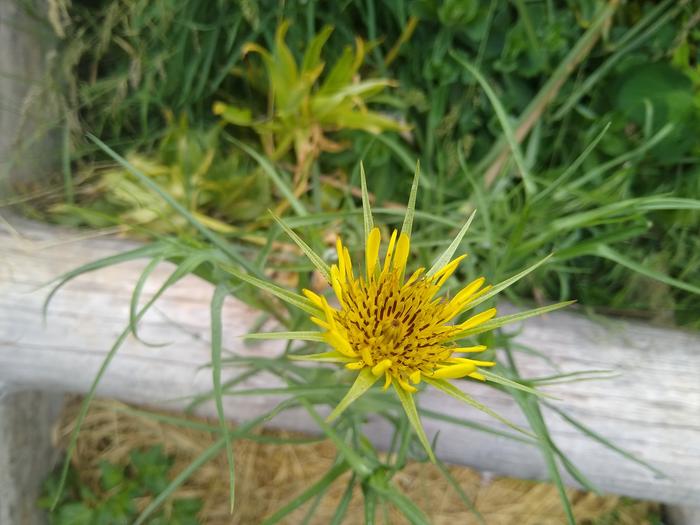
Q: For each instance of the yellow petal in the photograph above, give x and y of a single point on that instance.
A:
(335, 282)
(414, 277)
(401, 254)
(415, 377)
(313, 297)
(341, 260)
(387, 381)
(372, 251)
(339, 343)
(389, 251)
(447, 271)
(381, 367)
(454, 371)
(469, 349)
(477, 375)
(357, 365)
(348, 264)
(366, 355)
(478, 319)
(403, 384)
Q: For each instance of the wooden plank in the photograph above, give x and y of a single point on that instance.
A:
(651, 409)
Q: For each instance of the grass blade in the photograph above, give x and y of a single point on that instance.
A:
(319, 263)
(217, 304)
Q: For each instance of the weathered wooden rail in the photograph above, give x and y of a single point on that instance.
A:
(652, 409)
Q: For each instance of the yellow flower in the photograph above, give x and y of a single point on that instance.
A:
(401, 329)
(396, 327)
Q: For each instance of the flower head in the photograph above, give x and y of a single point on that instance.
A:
(387, 325)
(395, 326)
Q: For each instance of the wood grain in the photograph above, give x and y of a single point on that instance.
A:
(652, 409)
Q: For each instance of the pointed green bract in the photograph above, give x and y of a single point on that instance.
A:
(296, 336)
(319, 263)
(288, 296)
(505, 284)
(455, 392)
(323, 357)
(409, 406)
(366, 209)
(446, 256)
(411, 208)
(495, 378)
(365, 380)
(512, 318)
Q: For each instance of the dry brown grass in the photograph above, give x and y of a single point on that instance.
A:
(270, 475)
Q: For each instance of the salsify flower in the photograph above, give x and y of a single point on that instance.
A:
(398, 327)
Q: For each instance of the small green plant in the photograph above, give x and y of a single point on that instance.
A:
(302, 109)
(119, 494)
(218, 187)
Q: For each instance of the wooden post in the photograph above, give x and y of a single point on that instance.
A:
(28, 154)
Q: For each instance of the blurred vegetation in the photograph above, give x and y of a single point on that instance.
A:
(603, 98)
(119, 494)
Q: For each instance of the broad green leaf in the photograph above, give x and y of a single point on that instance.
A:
(411, 207)
(446, 256)
(217, 304)
(455, 392)
(182, 476)
(409, 406)
(365, 380)
(512, 318)
(319, 263)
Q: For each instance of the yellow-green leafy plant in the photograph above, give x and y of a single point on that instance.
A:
(219, 189)
(303, 107)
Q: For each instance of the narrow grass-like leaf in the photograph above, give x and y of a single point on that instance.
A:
(445, 471)
(324, 357)
(369, 504)
(360, 466)
(179, 273)
(294, 336)
(366, 209)
(319, 263)
(271, 172)
(344, 502)
(512, 318)
(407, 226)
(455, 392)
(446, 256)
(403, 504)
(319, 487)
(572, 377)
(208, 454)
(605, 251)
(208, 234)
(217, 304)
(136, 295)
(282, 293)
(594, 435)
(151, 250)
(508, 282)
(409, 407)
(504, 120)
(495, 378)
(365, 380)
